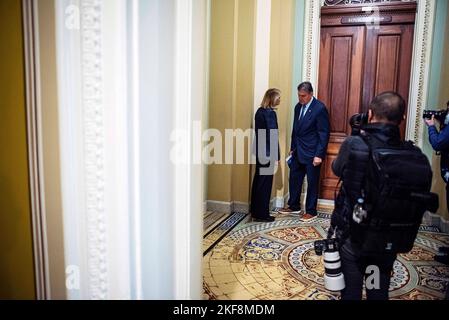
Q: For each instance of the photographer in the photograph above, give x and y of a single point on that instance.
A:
(440, 143)
(385, 114)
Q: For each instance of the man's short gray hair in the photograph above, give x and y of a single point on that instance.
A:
(305, 86)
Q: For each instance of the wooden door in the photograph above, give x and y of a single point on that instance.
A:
(359, 60)
(388, 62)
(340, 88)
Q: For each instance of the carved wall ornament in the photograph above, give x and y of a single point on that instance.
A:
(329, 3)
(94, 137)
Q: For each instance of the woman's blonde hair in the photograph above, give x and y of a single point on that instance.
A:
(270, 96)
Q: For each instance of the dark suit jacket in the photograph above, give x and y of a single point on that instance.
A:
(266, 120)
(310, 135)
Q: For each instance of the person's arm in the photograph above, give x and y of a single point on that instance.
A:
(259, 124)
(259, 120)
(439, 141)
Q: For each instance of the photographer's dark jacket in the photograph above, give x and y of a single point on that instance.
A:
(351, 166)
(440, 142)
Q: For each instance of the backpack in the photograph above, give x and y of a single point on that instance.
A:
(396, 192)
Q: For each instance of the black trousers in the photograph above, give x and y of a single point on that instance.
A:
(354, 267)
(297, 173)
(261, 191)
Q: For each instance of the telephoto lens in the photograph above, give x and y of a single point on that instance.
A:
(333, 276)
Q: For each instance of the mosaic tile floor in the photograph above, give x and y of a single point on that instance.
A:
(276, 261)
(211, 220)
(222, 227)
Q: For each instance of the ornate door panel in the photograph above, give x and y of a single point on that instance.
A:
(388, 62)
(340, 88)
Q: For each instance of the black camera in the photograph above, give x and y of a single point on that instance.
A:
(327, 245)
(357, 121)
(439, 115)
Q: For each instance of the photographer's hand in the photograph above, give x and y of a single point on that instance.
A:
(430, 122)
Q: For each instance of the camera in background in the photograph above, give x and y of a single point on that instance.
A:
(439, 115)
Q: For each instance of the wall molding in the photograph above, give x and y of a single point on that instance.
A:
(419, 83)
(94, 169)
(312, 42)
(227, 207)
(35, 151)
(92, 74)
(238, 206)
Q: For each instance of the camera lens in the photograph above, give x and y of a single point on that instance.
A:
(333, 277)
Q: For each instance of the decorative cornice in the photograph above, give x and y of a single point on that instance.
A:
(423, 66)
(94, 137)
(331, 3)
(311, 41)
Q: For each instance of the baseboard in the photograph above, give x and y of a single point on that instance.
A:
(219, 206)
(238, 206)
(326, 203)
(437, 221)
(227, 207)
(242, 207)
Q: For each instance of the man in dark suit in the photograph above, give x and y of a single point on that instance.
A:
(310, 136)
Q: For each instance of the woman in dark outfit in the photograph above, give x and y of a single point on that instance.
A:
(267, 154)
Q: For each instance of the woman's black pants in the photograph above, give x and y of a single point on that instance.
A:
(261, 192)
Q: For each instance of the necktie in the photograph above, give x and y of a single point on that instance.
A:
(303, 112)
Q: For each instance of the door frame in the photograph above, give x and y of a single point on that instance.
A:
(35, 149)
(422, 45)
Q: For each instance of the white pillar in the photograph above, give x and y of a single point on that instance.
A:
(129, 76)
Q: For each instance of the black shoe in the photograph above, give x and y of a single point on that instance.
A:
(442, 259)
(264, 219)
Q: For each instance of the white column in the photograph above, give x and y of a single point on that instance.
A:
(91, 51)
(190, 88)
(130, 74)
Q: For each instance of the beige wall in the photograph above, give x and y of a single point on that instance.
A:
(50, 138)
(231, 90)
(439, 186)
(231, 96)
(16, 248)
(244, 98)
(281, 66)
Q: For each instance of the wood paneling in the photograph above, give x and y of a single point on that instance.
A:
(388, 62)
(340, 85)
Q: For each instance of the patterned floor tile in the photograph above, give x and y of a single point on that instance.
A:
(276, 260)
